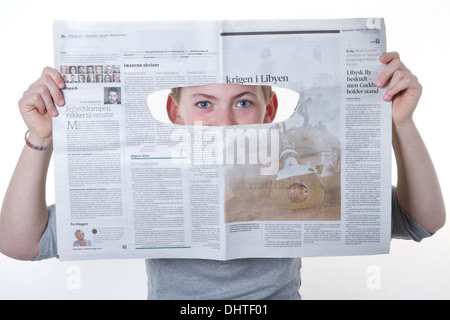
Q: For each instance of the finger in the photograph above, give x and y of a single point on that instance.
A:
(388, 72)
(54, 81)
(32, 100)
(51, 79)
(402, 81)
(389, 56)
(47, 99)
(37, 103)
(38, 97)
(55, 76)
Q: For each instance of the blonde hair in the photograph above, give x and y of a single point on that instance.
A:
(267, 92)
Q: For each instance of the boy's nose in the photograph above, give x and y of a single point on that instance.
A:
(225, 118)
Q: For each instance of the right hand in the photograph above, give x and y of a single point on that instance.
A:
(38, 105)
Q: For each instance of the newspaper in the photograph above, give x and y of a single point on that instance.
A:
(129, 185)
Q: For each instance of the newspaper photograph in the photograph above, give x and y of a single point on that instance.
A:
(132, 181)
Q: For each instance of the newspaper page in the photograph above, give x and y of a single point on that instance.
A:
(129, 185)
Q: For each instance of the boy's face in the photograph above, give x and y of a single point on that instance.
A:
(222, 105)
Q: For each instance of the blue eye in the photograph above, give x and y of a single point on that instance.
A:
(243, 104)
(204, 104)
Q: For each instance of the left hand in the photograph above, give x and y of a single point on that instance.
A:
(403, 88)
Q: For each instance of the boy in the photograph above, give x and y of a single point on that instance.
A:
(28, 227)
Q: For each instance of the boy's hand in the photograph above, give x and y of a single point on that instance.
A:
(403, 88)
(38, 105)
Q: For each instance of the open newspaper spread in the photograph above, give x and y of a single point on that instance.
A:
(131, 186)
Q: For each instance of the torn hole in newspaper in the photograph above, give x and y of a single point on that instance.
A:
(287, 103)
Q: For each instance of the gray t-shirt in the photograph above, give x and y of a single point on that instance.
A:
(245, 279)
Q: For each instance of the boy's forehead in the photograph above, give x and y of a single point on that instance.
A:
(220, 89)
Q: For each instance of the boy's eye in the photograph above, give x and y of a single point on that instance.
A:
(204, 104)
(243, 104)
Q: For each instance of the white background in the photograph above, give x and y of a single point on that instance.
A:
(419, 30)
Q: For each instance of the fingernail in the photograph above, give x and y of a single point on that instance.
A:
(54, 113)
(378, 83)
(61, 103)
